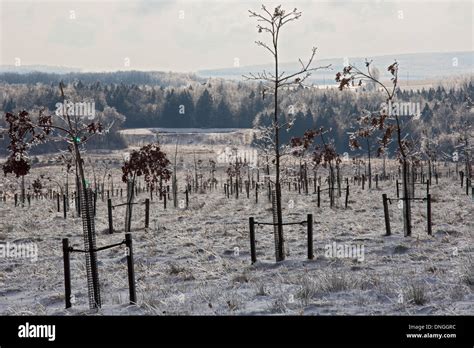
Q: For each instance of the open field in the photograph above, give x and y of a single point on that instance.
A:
(197, 260)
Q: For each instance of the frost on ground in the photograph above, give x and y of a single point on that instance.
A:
(197, 261)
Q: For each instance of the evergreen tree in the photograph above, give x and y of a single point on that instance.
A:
(170, 110)
(185, 118)
(223, 116)
(426, 114)
(204, 110)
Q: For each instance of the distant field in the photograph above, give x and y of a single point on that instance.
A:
(187, 136)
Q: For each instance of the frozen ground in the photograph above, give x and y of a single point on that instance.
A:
(190, 136)
(197, 261)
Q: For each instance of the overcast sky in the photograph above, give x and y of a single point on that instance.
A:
(189, 35)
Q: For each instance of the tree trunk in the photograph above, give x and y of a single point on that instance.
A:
(384, 167)
(370, 165)
(23, 191)
(406, 199)
(281, 243)
(175, 190)
(91, 257)
(129, 206)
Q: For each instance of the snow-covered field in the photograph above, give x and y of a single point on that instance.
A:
(190, 136)
(197, 261)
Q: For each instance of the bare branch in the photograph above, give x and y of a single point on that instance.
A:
(360, 75)
(255, 14)
(295, 17)
(305, 68)
(262, 44)
(265, 9)
(262, 28)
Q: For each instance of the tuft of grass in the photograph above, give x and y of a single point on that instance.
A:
(458, 292)
(260, 289)
(240, 278)
(279, 304)
(467, 276)
(175, 269)
(234, 302)
(308, 289)
(418, 294)
(400, 249)
(370, 282)
(336, 282)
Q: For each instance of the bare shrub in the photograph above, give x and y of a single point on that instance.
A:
(240, 278)
(234, 302)
(260, 289)
(181, 271)
(175, 269)
(336, 282)
(308, 289)
(279, 304)
(467, 276)
(418, 294)
(457, 293)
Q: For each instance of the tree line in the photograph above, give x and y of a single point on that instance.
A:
(218, 103)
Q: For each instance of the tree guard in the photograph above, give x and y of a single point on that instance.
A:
(88, 228)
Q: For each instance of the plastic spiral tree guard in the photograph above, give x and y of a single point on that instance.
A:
(278, 252)
(89, 248)
(67, 250)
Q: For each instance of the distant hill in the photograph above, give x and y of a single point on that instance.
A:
(25, 69)
(416, 66)
(134, 77)
(413, 67)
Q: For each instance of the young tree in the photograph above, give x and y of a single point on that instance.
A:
(67, 160)
(272, 23)
(323, 153)
(387, 121)
(301, 153)
(429, 147)
(368, 126)
(212, 173)
(175, 175)
(235, 170)
(25, 132)
(465, 134)
(22, 135)
(151, 163)
(37, 185)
